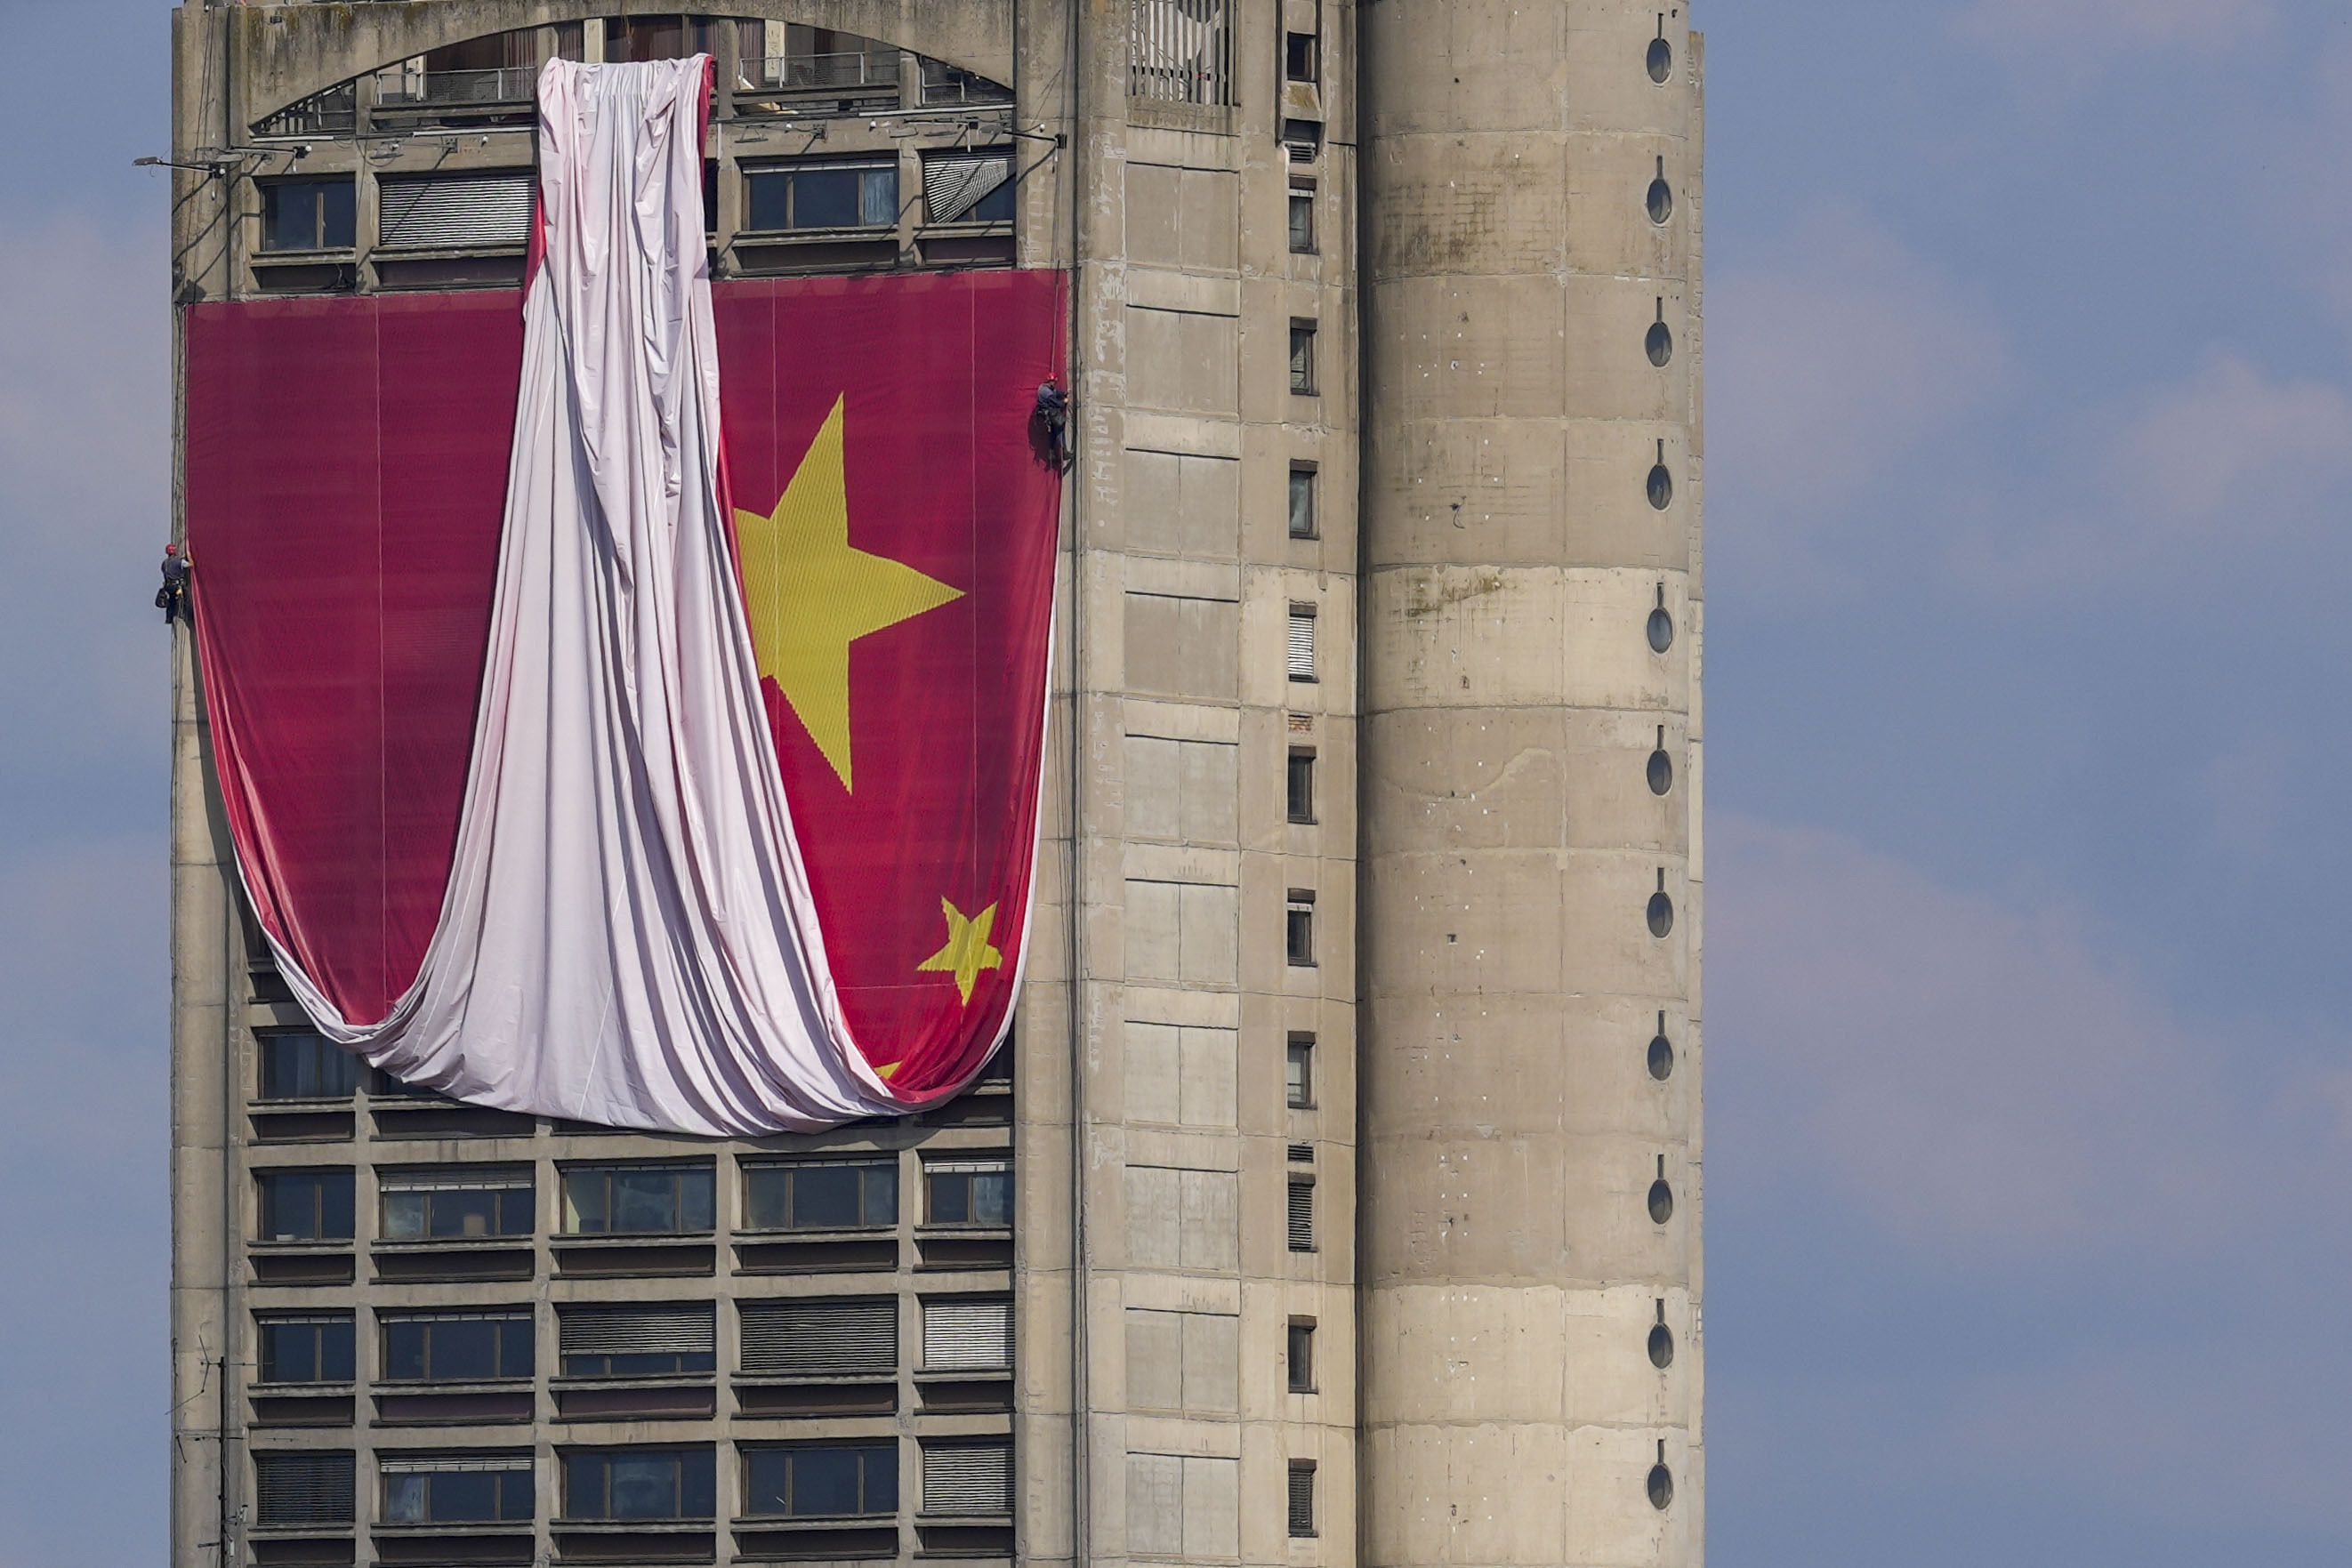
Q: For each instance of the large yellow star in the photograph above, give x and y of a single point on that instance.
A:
(967, 951)
(810, 595)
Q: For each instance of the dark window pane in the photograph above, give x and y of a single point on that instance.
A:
(404, 1500)
(695, 1194)
(881, 1195)
(770, 197)
(996, 207)
(699, 1487)
(403, 1352)
(877, 201)
(824, 1198)
(644, 1487)
(306, 1067)
(951, 1200)
(335, 1351)
(825, 198)
(462, 1213)
(338, 215)
(765, 1196)
(584, 1485)
(465, 1496)
(464, 1351)
(515, 1347)
(992, 1198)
(763, 1481)
(824, 1482)
(882, 1479)
(645, 1201)
(1302, 223)
(585, 1202)
(404, 1216)
(290, 216)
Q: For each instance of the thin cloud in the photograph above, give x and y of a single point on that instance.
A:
(2115, 26)
(2182, 478)
(1982, 1080)
(1829, 363)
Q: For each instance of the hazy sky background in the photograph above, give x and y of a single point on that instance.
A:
(2029, 1105)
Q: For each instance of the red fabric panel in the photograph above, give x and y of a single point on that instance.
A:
(346, 475)
(346, 468)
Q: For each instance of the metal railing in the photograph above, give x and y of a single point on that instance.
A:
(819, 73)
(947, 83)
(1182, 51)
(502, 84)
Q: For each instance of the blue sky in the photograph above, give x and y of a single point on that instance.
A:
(2029, 1097)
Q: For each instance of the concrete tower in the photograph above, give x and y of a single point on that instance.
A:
(1530, 1190)
(1370, 823)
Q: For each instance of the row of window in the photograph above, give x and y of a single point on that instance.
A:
(785, 1337)
(491, 208)
(963, 1478)
(466, 1202)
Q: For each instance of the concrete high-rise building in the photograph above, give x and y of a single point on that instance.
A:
(1338, 1199)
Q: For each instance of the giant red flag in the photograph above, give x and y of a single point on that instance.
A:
(893, 532)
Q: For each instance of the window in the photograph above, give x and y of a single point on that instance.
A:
(976, 1193)
(306, 1205)
(962, 187)
(1302, 217)
(637, 1200)
(309, 215)
(455, 1489)
(1302, 500)
(664, 37)
(456, 1347)
(1299, 926)
(297, 1064)
(485, 210)
(1302, 140)
(821, 1483)
(1300, 645)
(822, 197)
(1302, 358)
(304, 1348)
(1301, 1358)
(1300, 785)
(1302, 1498)
(1180, 51)
(1299, 1072)
(637, 1339)
(1299, 52)
(454, 1203)
(639, 1483)
(1302, 1214)
(307, 1487)
(822, 1195)
(824, 1336)
(967, 1333)
(968, 1480)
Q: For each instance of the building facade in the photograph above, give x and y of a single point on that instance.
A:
(1337, 1200)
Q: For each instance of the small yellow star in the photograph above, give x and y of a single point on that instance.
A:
(810, 593)
(967, 951)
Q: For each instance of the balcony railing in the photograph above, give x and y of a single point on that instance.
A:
(947, 83)
(819, 73)
(502, 84)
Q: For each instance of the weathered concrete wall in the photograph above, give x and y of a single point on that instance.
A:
(281, 53)
(1184, 575)
(1514, 1265)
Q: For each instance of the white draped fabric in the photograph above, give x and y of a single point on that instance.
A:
(628, 937)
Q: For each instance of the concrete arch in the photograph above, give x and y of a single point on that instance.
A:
(282, 54)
